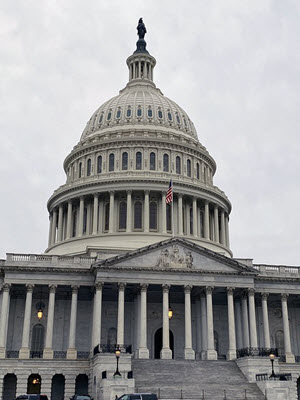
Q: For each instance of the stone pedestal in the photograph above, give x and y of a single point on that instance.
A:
(290, 358)
(189, 354)
(211, 355)
(24, 353)
(142, 353)
(72, 354)
(48, 353)
(231, 355)
(166, 354)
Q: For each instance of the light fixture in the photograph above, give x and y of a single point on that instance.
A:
(40, 306)
(117, 353)
(272, 358)
(35, 381)
(170, 313)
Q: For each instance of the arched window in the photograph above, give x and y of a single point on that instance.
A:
(80, 170)
(109, 115)
(111, 162)
(169, 116)
(166, 163)
(138, 160)
(74, 229)
(99, 165)
(122, 215)
(204, 174)
(159, 114)
(150, 114)
(37, 338)
(139, 111)
(82, 385)
(89, 167)
(118, 116)
(178, 165)
(128, 112)
(153, 215)
(177, 119)
(188, 168)
(106, 217)
(152, 161)
(137, 215)
(101, 118)
(125, 160)
(169, 217)
(198, 171)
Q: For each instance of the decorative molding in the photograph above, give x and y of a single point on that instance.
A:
(264, 296)
(144, 287)
(251, 292)
(99, 285)
(166, 288)
(284, 296)
(75, 288)
(230, 290)
(29, 287)
(121, 286)
(52, 288)
(173, 258)
(209, 290)
(188, 289)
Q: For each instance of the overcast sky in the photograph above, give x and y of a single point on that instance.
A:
(232, 65)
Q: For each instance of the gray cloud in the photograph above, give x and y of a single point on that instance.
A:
(232, 65)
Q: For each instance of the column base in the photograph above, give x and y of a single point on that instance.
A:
(2, 352)
(231, 355)
(72, 354)
(48, 353)
(290, 358)
(211, 355)
(24, 353)
(166, 353)
(203, 355)
(189, 354)
(142, 353)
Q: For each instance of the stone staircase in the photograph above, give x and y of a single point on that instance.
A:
(183, 379)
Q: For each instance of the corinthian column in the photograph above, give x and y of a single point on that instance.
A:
(129, 208)
(252, 318)
(166, 352)
(48, 351)
(143, 351)
(69, 220)
(289, 356)
(24, 351)
(121, 304)
(81, 214)
(189, 353)
(4, 318)
(264, 304)
(211, 353)
(72, 352)
(206, 220)
(231, 354)
(60, 223)
(146, 211)
(111, 211)
(97, 314)
(95, 214)
(203, 324)
(180, 223)
(195, 222)
(216, 223)
(246, 338)
(54, 222)
(163, 213)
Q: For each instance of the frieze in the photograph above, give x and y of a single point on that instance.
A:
(174, 258)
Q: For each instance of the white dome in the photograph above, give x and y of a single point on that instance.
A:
(140, 104)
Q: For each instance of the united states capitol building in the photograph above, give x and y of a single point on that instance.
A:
(125, 268)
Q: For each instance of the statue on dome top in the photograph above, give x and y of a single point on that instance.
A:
(141, 29)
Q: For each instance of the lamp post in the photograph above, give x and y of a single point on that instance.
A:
(117, 353)
(272, 358)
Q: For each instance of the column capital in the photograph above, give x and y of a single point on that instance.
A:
(209, 289)
(121, 285)
(75, 288)
(251, 292)
(230, 290)
(99, 285)
(264, 296)
(216, 206)
(144, 287)
(284, 296)
(70, 201)
(81, 198)
(111, 192)
(96, 195)
(180, 195)
(166, 288)
(147, 191)
(129, 191)
(29, 287)
(245, 294)
(52, 288)
(6, 287)
(188, 288)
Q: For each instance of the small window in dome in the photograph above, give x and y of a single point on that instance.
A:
(169, 116)
(125, 161)
(149, 113)
(111, 162)
(160, 114)
(101, 118)
(139, 112)
(166, 163)
(152, 161)
(118, 114)
(128, 113)
(138, 160)
(99, 164)
(89, 167)
(177, 118)
(198, 171)
(184, 120)
(109, 116)
(189, 168)
(80, 170)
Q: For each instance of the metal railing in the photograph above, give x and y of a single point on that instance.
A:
(277, 377)
(204, 394)
(12, 354)
(256, 352)
(59, 354)
(36, 354)
(83, 355)
(111, 348)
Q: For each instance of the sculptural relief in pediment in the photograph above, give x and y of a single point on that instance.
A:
(175, 258)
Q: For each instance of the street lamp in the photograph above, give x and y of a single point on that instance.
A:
(272, 358)
(170, 313)
(117, 353)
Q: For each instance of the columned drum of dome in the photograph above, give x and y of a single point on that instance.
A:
(118, 174)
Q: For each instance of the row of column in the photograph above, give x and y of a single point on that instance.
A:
(141, 69)
(214, 219)
(24, 352)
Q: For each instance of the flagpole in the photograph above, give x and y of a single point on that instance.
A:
(173, 233)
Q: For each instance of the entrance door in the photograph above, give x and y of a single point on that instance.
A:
(34, 384)
(158, 342)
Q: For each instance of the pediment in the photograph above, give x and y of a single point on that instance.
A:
(176, 254)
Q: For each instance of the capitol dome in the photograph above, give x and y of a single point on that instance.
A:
(114, 198)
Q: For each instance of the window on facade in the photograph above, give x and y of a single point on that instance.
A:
(128, 113)
(184, 121)
(160, 114)
(138, 160)
(152, 161)
(169, 116)
(177, 119)
(191, 221)
(150, 113)
(99, 164)
(101, 118)
(198, 171)
(169, 217)
(139, 112)
(122, 215)
(37, 338)
(153, 215)
(178, 165)
(279, 342)
(89, 167)
(80, 170)
(106, 217)
(125, 161)
(118, 114)
(74, 229)
(108, 116)
(166, 163)
(137, 215)
(188, 168)
(204, 174)
(111, 162)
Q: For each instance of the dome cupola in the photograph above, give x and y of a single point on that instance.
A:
(114, 199)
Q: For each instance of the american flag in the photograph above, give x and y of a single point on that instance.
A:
(169, 197)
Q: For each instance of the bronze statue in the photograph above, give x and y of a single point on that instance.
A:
(141, 29)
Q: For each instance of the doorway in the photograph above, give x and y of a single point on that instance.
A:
(158, 342)
(34, 384)
(9, 387)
